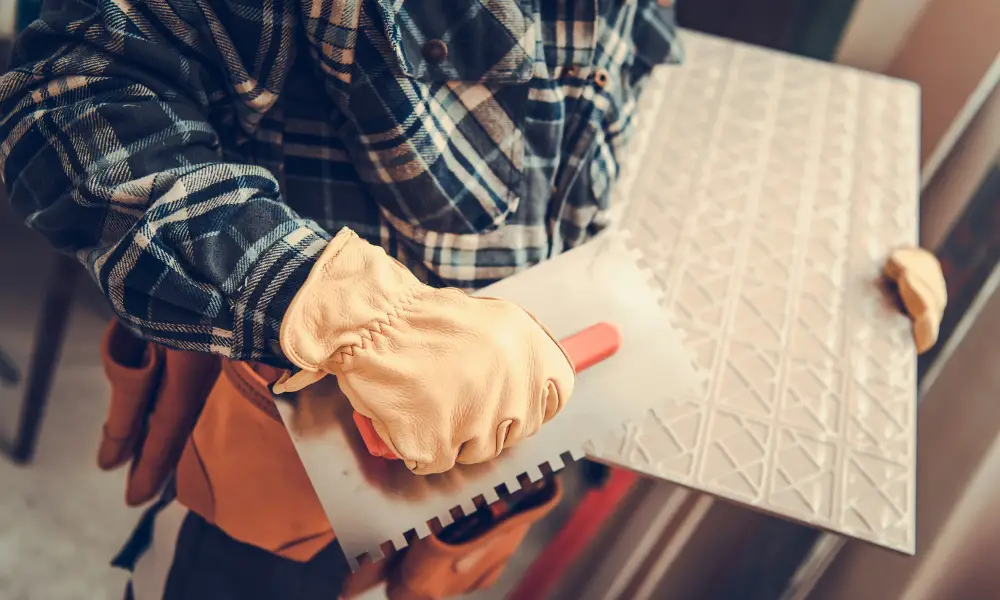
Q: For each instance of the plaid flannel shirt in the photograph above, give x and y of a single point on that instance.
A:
(197, 154)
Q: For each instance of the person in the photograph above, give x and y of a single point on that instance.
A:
(311, 184)
(310, 187)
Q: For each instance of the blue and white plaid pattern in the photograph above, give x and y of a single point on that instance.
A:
(196, 154)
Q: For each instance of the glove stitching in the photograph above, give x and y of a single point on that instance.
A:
(398, 312)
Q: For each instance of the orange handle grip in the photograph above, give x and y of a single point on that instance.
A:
(585, 349)
(592, 345)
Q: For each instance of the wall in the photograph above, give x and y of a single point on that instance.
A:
(961, 174)
(951, 48)
(953, 52)
(964, 557)
(875, 32)
(8, 14)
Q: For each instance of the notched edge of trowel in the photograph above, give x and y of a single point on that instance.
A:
(661, 295)
(658, 292)
(436, 523)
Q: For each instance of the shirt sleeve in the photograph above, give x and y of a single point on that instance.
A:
(655, 37)
(107, 151)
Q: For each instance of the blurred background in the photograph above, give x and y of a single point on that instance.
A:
(61, 519)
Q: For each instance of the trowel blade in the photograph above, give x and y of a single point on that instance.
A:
(371, 502)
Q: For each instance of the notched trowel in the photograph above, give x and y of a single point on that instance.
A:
(371, 501)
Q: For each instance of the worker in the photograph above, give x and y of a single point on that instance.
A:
(289, 189)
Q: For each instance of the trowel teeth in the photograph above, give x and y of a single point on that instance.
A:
(399, 543)
(468, 507)
(446, 519)
(513, 485)
(491, 496)
(577, 453)
(375, 554)
(556, 463)
(422, 530)
(353, 564)
(534, 474)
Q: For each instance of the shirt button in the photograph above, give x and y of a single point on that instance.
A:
(602, 78)
(435, 51)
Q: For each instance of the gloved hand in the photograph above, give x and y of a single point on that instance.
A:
(444, 376)
(922, 288)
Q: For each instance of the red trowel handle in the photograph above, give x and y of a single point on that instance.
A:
(592, 345)
(585, 349)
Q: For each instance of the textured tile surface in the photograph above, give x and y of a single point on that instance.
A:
(765, 192)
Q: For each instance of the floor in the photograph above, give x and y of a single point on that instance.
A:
(60, 519)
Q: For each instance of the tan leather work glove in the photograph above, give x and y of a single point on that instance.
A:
(443, 375)
(922, 288)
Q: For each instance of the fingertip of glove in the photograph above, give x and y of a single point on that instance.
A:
(554, 400)
(503, 430)
(288, 382)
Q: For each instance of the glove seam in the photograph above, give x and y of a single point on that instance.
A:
(292, 352)
(400, 310)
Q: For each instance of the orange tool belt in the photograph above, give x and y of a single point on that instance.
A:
(212, 423)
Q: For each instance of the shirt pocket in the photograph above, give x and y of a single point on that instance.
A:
(435, 113)
(570, 31)
(474, 41)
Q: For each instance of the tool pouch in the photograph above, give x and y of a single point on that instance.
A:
(133, 369)
(214, 424)
(156, 397)
(240, 471)
(184, 386)
(471, 553)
